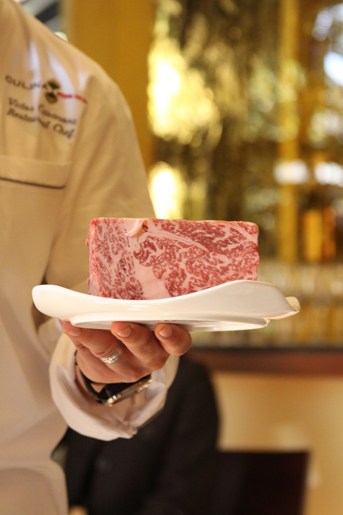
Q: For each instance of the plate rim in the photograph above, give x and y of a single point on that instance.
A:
(47, 296)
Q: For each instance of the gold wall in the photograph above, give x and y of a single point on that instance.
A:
(117, 34)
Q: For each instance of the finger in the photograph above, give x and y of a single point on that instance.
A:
(173, 338)
(100, 343)
(93, 345)
(141, 342)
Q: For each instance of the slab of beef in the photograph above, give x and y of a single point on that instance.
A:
(151, 258)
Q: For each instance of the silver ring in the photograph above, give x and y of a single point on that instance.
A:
(113, 357)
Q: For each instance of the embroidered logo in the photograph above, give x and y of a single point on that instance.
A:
(36, 111)
(53, 91)
(52, 87)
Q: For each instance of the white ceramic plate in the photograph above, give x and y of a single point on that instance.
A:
(231, 306)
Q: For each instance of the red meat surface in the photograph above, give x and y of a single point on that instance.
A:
(153, 258)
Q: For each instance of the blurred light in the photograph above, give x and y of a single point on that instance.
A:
(333, 67)
(167, 85)
(322, 24)
(325, 21)
(167, 191)
(180, 103)
(329, 173)
(291, 172)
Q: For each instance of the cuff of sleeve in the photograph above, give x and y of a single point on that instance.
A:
(94, 420)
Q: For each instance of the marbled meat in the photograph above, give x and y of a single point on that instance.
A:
(152, 258)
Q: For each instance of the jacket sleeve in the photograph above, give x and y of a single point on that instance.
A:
(94, 420)
(107, 178)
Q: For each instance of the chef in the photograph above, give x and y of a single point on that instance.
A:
(68, 153)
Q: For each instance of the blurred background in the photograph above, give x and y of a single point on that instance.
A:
(238, 107)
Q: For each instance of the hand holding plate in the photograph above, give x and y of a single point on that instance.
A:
(142, 351)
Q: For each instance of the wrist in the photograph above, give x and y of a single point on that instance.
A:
(112, 393)
(81, 384)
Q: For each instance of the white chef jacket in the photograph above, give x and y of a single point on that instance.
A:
(68, 153)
